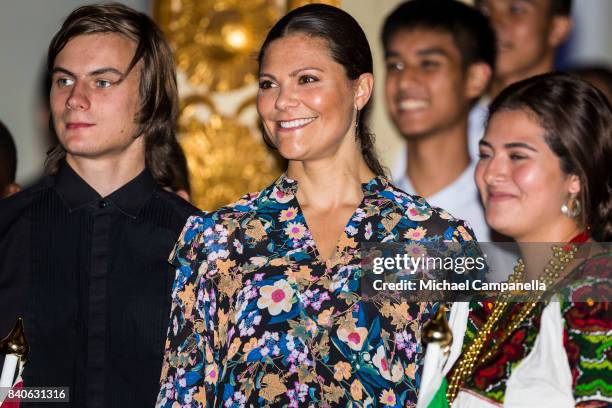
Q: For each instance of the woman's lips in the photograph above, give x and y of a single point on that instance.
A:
(287, 125)
(499, 197)
(78, 125)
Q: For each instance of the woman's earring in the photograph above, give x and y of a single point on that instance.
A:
(572, 207)
(357, 121)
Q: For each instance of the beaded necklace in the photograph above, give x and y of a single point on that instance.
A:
(562, 255)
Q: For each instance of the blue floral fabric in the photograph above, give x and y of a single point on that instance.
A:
(259, 319)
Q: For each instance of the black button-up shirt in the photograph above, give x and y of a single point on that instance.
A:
(90, 277)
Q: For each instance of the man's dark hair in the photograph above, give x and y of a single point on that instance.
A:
(8, 158)
(592, 73)
(158, 91)
(557, 7)
(560, 7)
(178, 162)
(470, 29)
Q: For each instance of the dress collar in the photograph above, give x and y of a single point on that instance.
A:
(581, 238)
(129, 198)
(284, 187)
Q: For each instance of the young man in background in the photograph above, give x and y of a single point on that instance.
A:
(440, 56)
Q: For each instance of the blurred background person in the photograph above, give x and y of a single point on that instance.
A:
(269, 287)
(600, 76)
(528, 35)
(544, 178)
(439, 57)
(8, 163)
(529, 32)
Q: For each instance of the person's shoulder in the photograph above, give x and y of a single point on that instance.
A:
(13, 207)
(403, 199)
(591, 277)
(246, 206)
(177, 204)
(417, 210)
(25, 196)
(416, 207)
(167, 211)
(200, 221)
(584, 298)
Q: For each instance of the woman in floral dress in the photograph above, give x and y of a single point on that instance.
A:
(267, 308)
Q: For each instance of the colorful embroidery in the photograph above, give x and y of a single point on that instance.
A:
(588, 330)
(587, 337)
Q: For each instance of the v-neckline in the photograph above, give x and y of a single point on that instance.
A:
(343, 233)
(308, 234)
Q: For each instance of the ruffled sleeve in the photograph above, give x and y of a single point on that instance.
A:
(190, 368)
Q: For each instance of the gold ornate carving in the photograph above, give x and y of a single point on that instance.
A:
(224, 158)
(215, 41)
(293, 4)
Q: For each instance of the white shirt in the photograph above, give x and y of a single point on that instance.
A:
(542, 379)
(460, 199)
(476, 125)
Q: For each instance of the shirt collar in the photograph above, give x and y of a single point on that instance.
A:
(284, 186)
(129, 198)
(375, 186)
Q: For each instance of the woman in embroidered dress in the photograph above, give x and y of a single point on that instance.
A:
(544, 176)
(267, 309)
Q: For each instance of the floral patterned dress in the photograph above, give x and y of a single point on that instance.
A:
(259, 319)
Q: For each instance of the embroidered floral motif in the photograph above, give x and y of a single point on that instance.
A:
(587, 337)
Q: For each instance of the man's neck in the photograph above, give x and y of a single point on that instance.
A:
(106, 175)
(547, 64)
(438, 160)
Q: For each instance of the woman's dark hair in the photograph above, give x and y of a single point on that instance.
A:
(158, 92)
(560, 7)
(577, 119)
(348, 46)
(178, 162)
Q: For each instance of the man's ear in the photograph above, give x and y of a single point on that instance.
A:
(560, 29)
(478, 76)
(363, 90)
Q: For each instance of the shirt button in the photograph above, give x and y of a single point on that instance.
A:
(102, 204)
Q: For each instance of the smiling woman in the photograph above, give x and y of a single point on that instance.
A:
(334, 73)
(267, 307)
(546, 146)
(544, 177)
(306, 105)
